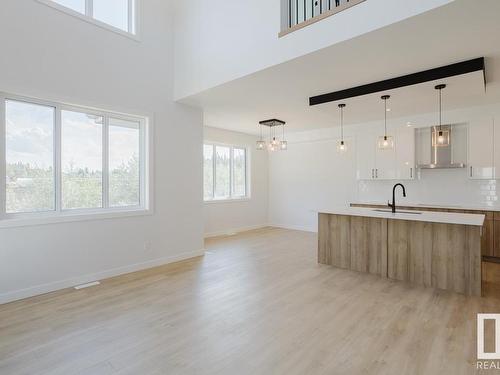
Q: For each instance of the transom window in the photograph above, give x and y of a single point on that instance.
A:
(225, 172)
(119, 14)
(63, 159)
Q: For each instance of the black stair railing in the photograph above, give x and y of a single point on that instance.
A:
(302, 10)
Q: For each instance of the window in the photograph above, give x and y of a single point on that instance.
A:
(124, 165)
(112, 12)
(29, 157)
(224, 172)
(76, 5)
(208, 172)
(81, 160)
(119, 14)
(239, 172)
(61, 159)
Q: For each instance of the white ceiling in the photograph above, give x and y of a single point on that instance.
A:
(460, 31)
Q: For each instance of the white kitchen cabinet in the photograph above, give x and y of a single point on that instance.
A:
(423, 146)
(385, 162)
(396, 164)
(405, 154)
(365, 157)
(496, 148)
(481, 158)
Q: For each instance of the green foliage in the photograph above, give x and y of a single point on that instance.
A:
(30, 188)
(208, 177)
(124, 184)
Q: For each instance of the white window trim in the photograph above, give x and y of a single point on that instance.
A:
(58, 215)
(231, 198)
(133, 21)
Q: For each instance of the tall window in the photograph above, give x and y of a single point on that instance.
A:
(124, 164)
(119, 14)
(30, 179)
(225, 172)
(61, 159)
(81, 160)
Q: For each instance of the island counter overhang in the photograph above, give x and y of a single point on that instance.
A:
(431, 249)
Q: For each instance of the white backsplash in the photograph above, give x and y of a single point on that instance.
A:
(449, 187)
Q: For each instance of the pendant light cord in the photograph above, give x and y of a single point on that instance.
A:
(440, 109)
(385, 117)
(342, 123)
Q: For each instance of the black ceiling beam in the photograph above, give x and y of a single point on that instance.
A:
(463, 67)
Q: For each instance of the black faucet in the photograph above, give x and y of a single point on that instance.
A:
(393, 205)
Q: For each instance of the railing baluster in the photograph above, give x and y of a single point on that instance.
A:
(297, 11)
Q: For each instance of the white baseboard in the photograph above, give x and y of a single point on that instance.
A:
(69, 283)
(227, 232)
(302, 228)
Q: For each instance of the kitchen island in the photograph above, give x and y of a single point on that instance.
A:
(431, 249)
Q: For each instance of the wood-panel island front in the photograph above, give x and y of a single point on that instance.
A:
(431, 249)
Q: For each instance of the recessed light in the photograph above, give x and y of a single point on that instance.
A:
(388, 109)
(408, 124)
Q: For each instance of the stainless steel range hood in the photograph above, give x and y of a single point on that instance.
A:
(441, 155)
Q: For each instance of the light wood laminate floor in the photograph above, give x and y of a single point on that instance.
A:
(257, 303)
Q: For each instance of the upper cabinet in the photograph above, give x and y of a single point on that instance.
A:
(483, 156)
(405, 154)
(365, 157)
(396, 164)
(496, 148)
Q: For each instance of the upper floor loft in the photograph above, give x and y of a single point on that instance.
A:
(297, 14)
(217, 42)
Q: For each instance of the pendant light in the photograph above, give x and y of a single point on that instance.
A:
(283, 143)
(440, 137)
(274, 144)
(385, 142)
(342, 147)
(261, 144)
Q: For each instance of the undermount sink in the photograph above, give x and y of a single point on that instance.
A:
(400, 212)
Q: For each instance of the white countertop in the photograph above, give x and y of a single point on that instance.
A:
(428, 216)
(444, 206)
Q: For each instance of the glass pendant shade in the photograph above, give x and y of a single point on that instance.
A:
(276, 143)
(386, 142)
(341, 147)
(440, 138)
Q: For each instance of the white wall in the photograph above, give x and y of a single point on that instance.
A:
(233, 216)
(309, 176)
(49, 54)
(312, 175)
(207, 30)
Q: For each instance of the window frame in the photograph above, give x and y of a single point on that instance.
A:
(232, 197)
(132, 24)
(59, 214)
